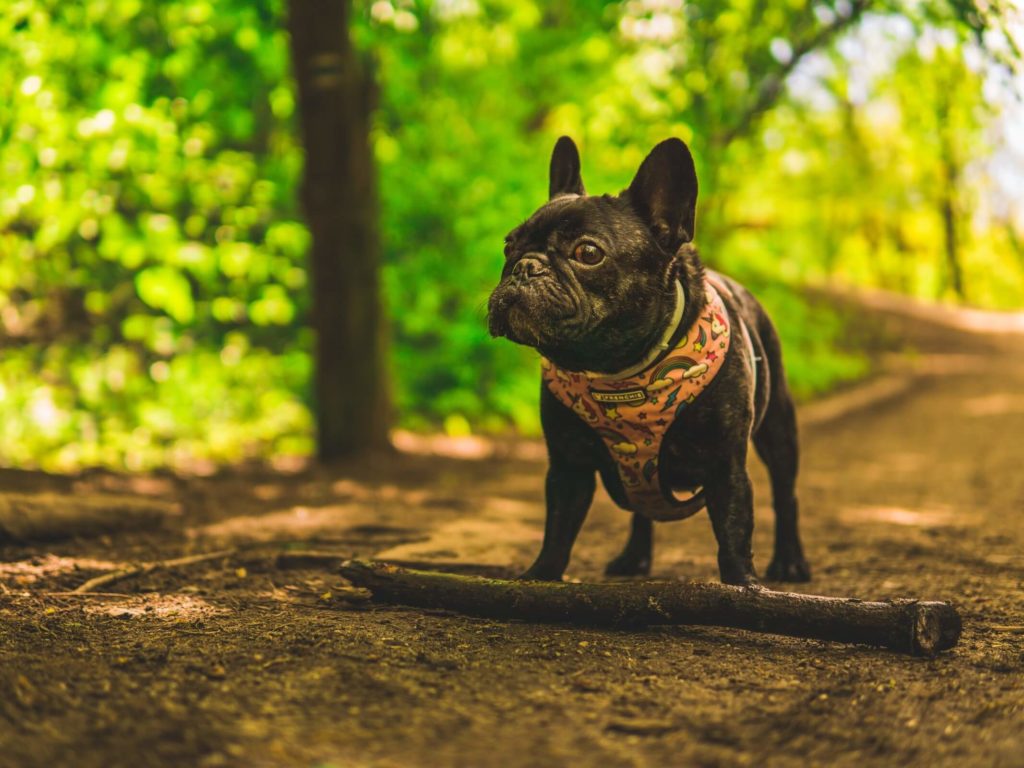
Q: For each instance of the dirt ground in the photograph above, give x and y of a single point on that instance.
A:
(236, 662)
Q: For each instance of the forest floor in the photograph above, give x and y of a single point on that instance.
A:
(915, 489)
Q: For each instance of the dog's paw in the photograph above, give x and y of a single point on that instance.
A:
(789, 569)
(741, 580)
(628, 565)
(533, 573)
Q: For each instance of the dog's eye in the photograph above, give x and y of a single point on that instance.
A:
(588, 253)
(508, 248)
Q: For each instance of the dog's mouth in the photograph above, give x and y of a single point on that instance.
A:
(521, 326)
(534, 316)
(499, 310)
(511, 319)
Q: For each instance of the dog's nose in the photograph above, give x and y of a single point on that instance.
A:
(527, 268)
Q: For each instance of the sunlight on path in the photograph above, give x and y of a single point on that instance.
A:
(49, 565)
(163, 607)
(506, 531)
(921, 518)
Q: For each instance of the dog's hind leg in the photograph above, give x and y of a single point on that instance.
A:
(776, 444)
(635, 559)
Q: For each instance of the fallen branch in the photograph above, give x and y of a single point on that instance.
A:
(39, 517)
(161, 565)
(908, 626)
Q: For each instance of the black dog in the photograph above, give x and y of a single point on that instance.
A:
(594, 284)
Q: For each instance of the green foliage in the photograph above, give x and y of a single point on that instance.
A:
(153, 303)
(69, 406)
(152, 263)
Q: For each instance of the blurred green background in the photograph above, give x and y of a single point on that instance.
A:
(153, 275)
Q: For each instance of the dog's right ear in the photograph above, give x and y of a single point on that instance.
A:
(564, 177)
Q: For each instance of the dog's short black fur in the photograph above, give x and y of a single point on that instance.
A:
(589, 281)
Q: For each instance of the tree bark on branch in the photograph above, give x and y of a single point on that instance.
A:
(339, 194)
(908, 626)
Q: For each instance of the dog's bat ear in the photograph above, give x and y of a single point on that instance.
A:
(564, 177)
(664, 193)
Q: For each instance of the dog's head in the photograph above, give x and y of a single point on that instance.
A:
(588, 280)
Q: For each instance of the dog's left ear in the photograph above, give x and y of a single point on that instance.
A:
(664, 193)
(564, 177)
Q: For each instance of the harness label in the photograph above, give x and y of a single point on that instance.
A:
(629, 397)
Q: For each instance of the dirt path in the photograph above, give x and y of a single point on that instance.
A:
(231, 663)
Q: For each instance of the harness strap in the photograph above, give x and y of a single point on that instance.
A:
(715, 279)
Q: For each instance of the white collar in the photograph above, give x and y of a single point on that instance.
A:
(654, 352)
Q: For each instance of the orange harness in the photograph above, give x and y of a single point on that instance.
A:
(633, 410)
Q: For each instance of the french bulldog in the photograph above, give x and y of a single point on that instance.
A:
(656, 371)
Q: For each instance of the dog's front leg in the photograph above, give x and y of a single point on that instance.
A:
(568, 490)
(730, 502)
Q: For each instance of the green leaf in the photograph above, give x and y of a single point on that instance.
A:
(167, 289)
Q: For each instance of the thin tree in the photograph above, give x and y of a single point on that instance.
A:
(950, 175)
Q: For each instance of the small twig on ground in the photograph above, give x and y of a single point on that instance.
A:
(309, 559)
(108, 595)
(315, 559)
(1016, 629)
(140, 570)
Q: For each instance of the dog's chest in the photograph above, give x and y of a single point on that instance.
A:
(633, 414)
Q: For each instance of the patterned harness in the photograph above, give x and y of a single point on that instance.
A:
(632, 411)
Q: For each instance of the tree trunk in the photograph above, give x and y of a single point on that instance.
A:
(947, 210)
(908, 626)
(947, 196)
(339, 195)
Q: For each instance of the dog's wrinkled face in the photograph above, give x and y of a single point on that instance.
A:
(587, 279)
(578, 266)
